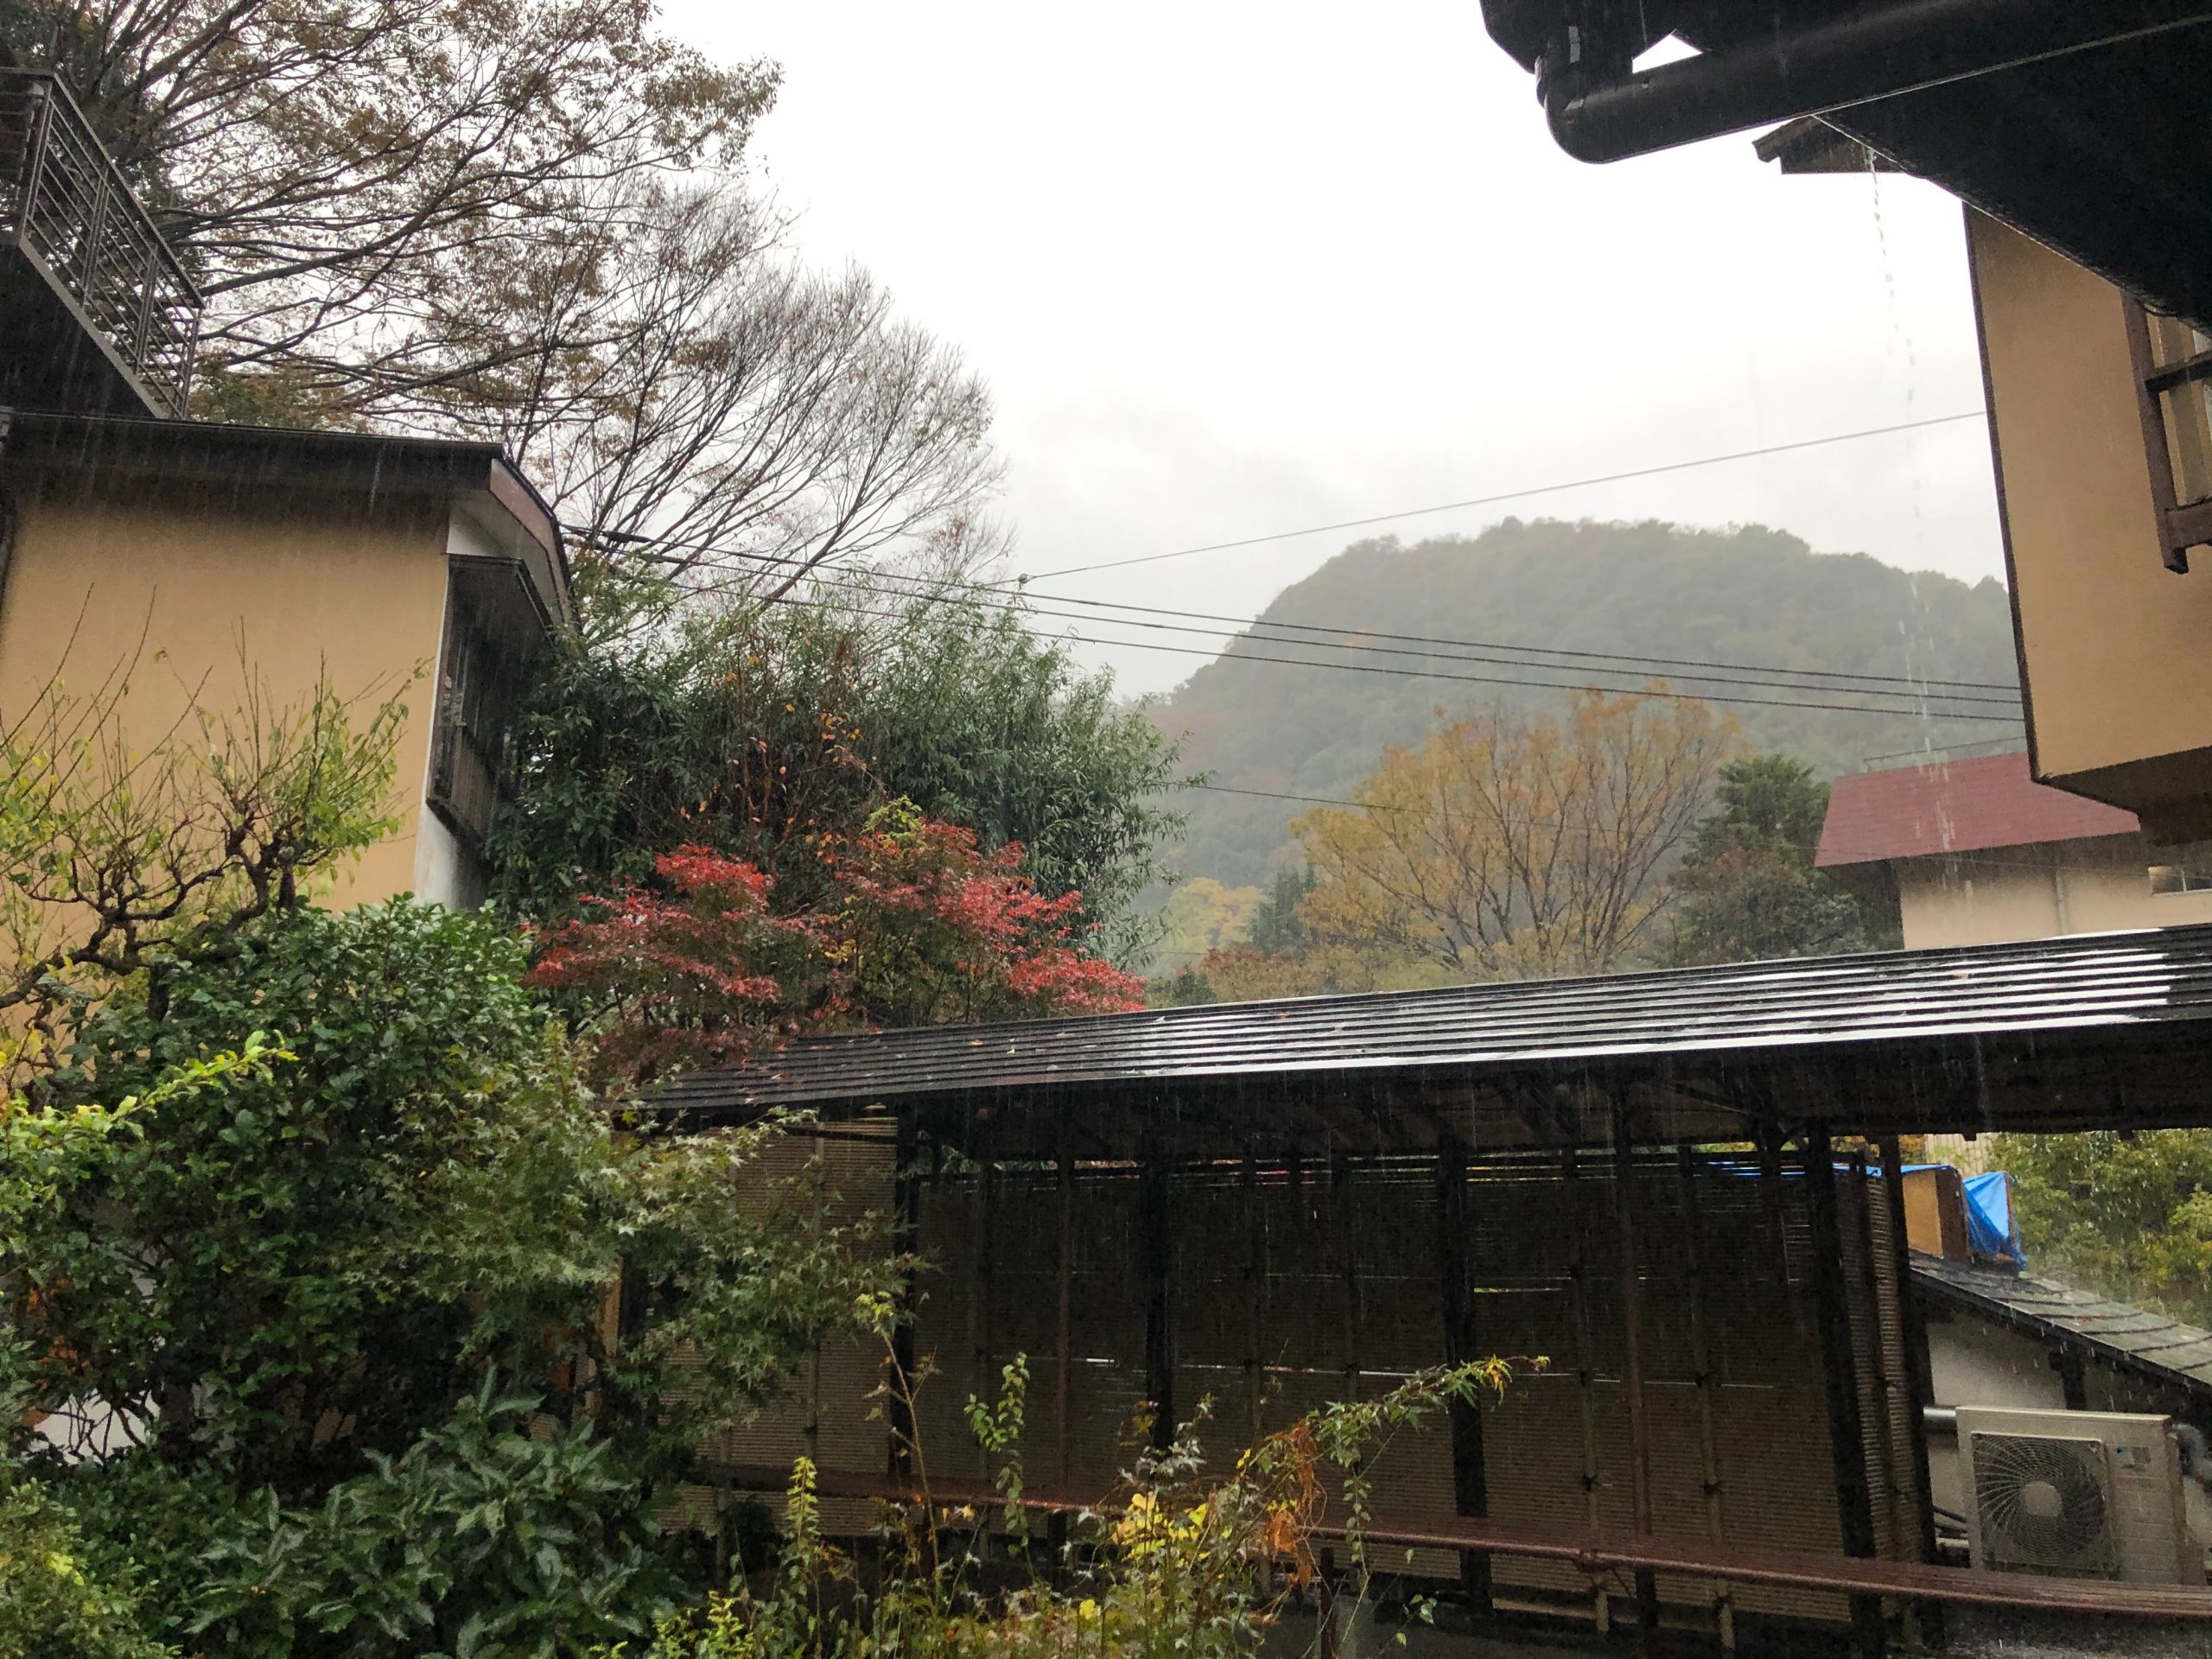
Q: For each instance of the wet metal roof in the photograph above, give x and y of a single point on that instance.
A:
(2076, 1029)
(2122, 1334)
(1955, 806)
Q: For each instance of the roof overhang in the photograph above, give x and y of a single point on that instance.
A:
(2085, 123)
(478, 479)
(2085, 1032)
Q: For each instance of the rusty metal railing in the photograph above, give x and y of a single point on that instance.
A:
(64, 201)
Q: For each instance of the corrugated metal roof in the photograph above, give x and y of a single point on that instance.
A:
(2124, 1334)
(1804, 1009)
(1955, 806)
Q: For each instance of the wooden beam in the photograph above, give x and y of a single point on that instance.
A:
(1630, 1266)
(1255, 1298)
(1839, 1367)
(906, 1225)
(1462, 1345)
(1156, 1244)
(1064, 1323)
(1586, 1362)
(1918, 1384)
(1707, 1381)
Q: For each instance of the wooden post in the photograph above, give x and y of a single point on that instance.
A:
(1462, 1344)
(1063, 1327)
(1704, 1382)
(1586, 1361)
(1255, 1298)
(1840, 1366)
(1639, 1431)
(1345, 1245)
(981, 1383)
(1156, 1242)
(906, 1207)
(1919, 1385)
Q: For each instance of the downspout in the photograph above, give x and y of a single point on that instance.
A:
(1600, 110)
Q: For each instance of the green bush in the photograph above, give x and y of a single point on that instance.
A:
(500, 1533)
(57, 1600)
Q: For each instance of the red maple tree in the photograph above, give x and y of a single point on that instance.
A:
(916, 927)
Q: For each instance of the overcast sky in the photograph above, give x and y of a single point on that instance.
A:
(1233, 269)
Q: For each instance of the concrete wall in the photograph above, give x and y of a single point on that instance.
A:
(2113, 644)
(182, 591)
(2099, 886)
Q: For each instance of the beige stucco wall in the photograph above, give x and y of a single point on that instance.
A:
(2101, 886)
(2114, 645)
(344, 586)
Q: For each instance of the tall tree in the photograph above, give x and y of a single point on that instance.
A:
(916, 928)
(341, 176)
(2130, 1214)
(1519, 844)
(753, 731)
(526, 220)
(1748, 891)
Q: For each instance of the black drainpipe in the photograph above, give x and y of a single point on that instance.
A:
(1601, 111)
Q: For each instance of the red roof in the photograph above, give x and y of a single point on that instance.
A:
(1955, 806)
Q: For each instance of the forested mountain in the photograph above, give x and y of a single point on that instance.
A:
(1746, 595)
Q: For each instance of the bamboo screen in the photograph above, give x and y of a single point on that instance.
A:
(1294, 1285)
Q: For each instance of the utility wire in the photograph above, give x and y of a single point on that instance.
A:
(1451, 650)
(629, 538)
(1517, 495)
(1547, 650)
(1470, 679)
(1916, 699)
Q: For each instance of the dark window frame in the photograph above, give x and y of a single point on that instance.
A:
(2181, 525)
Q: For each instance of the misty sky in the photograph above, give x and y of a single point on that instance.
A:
(1233, 269)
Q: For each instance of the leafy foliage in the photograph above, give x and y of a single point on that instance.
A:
(759, 735)
(484, 1538)
(350, 1239)
(1747, 890)
(2129, 1214)
(369, 192)
(1184, 1563)
(339, 1314)
(55, 1600)
(1515, 846)
(1656, 590)
(114, 862)
(917, 928)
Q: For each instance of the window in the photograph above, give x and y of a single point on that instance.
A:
(2173, 370)
(2189, 870)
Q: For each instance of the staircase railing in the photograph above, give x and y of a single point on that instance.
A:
(64, 201)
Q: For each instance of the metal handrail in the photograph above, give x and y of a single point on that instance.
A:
(65, 201)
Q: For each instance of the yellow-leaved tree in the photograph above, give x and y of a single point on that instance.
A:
(1520, 844)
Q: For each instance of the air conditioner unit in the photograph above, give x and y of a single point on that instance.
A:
(2076, 1494)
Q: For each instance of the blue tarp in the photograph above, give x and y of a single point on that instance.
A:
(1992, 1233)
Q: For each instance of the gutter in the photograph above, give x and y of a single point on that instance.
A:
(1602, 110)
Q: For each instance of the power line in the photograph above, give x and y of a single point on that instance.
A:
(1458, 649)
(1273, 795)
(629, 538)
(1470, 679)
(1517, 495)
(1639, 663)
(1917, 696)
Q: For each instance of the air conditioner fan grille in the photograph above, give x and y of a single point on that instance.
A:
(2045, 1497)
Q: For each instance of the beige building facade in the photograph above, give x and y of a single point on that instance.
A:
(2097, 473)
(1974, 851)
(206, 563)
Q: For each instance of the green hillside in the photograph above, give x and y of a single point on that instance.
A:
(1747, 595)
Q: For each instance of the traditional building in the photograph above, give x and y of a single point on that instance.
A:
(216, 564)
(1974, 851)
(1273, 1204)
